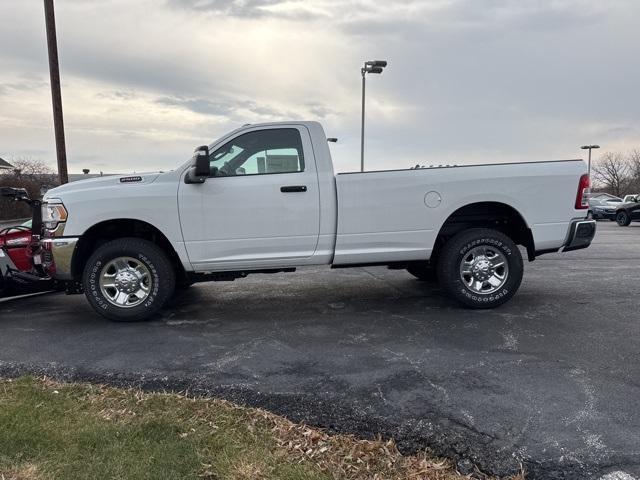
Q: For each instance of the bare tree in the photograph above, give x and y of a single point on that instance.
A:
(32, 169)
(613, 171)
(29, 173)
(634, 171)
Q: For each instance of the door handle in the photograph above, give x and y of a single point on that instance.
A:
(293, 188)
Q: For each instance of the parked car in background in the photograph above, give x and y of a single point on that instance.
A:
(603, 205)
(629, 198)
(628, 212)
(602, 196)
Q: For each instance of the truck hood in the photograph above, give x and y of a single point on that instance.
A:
(118, 181)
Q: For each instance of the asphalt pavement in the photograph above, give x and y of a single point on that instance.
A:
(550, 381)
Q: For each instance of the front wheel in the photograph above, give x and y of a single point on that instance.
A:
(623, 219)
(480, 268)
(128, 280)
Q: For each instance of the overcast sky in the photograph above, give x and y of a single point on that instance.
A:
(145, 81)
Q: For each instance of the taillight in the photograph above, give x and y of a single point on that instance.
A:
(584, 188)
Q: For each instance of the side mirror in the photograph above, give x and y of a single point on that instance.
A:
(199, 170)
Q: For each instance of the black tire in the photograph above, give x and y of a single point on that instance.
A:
(161, 279)
(623, 219)
(458, 248)
(423, 272)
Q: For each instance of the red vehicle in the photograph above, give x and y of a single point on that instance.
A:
(19, 246)
(15, 242)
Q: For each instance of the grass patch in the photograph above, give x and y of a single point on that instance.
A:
(79, 431)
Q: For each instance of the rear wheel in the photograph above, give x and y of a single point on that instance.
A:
(128, 280)
(623, 218)
(480, 268)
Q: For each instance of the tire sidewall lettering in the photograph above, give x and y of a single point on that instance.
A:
(486, 241)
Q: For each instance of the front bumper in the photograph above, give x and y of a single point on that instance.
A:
(57, 256)
(581, 234)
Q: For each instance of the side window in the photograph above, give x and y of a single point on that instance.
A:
(276, 150)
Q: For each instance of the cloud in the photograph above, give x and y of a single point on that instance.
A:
(220, 109)
(7, 88)
(240, 110)
(249, 8)
(468, 80)
(118, 95)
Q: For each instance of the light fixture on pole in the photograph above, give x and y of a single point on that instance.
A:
(589, 147)
(371, 66)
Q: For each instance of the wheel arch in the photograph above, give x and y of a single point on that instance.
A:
(487, 214)
(113, 229)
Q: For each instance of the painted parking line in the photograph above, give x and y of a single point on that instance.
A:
(618, 476)
(18, 297)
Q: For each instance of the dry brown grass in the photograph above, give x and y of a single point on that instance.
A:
(257, 444)
(24, 472)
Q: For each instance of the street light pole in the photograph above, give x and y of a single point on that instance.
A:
(589, 147)
(56, 96)
(371, 66)
(362, 70)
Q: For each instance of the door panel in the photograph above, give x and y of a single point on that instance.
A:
(252, 217)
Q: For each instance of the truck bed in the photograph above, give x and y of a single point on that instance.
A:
(395, 215)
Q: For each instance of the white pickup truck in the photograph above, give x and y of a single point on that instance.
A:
(264, 199)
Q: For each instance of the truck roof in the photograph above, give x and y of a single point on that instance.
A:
(307, 123)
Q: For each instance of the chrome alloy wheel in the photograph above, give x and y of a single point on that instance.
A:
(125, 282)
(484, 269)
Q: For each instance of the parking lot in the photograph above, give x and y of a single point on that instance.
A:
(550, 380)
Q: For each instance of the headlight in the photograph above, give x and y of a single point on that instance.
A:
(53, 214)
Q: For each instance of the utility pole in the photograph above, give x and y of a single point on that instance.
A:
(56, 96)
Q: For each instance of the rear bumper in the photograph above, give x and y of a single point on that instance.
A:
(581, 234)
(58, 255)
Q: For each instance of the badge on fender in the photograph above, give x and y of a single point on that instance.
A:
(130, 179)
